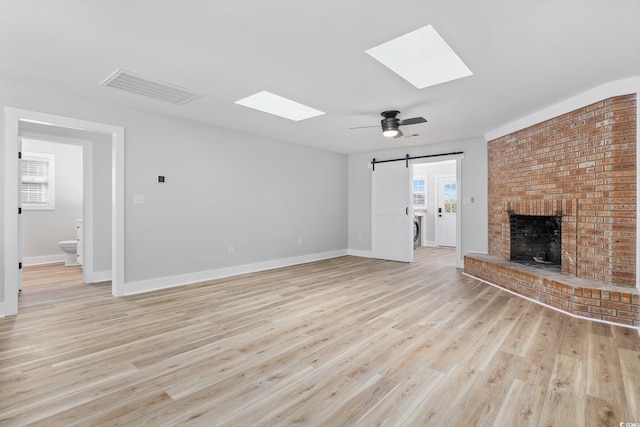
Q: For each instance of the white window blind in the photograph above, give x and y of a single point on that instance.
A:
(37, 189)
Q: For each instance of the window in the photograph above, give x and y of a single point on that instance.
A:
(420, 191)
(450, 198)
(37, 185)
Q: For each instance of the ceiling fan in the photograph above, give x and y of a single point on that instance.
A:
(391, 123)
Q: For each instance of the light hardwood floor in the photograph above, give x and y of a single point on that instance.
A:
(348, 341)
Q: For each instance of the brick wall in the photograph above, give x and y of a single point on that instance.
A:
(581, 165)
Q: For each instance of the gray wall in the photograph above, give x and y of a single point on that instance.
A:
(222, 188)
(473, 184)
(43, 229)
(227, 189)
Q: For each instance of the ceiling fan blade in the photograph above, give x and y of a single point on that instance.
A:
(413, 121)
(398, 135)
(365, 127)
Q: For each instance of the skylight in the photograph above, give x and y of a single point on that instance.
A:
(421, 57)
(279, 106)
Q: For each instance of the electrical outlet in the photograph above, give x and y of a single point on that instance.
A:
(299, 241)
(232, 249)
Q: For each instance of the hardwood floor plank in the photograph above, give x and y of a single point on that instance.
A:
(522, 405)
(604, 377)
(540, 357)
(483, 402)
(629, 363)
(402, 401)
(489, 342)
(573, 341)
(522, 336)
(600, 412)
(566, 400)
(443, 405)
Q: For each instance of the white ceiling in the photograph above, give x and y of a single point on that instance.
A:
(524, 55)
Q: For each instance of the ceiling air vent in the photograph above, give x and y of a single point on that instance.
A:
(132, 83)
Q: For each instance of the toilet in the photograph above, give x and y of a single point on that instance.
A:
(70, 248)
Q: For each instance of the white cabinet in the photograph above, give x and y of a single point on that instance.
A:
(80, 238)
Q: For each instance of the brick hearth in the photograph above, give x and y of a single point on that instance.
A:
(579, 297)
(580, 166)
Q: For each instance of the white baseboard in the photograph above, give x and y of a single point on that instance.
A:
(44, 259)
(203, 276)
(356, 252)
(99, 276)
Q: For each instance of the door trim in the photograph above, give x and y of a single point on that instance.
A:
(12, 116)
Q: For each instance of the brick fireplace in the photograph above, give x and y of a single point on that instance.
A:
(580, 168)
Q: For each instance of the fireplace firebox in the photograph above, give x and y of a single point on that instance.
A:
(536, 240)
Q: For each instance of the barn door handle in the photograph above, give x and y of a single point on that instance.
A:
(407, 210)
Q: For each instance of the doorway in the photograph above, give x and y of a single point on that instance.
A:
(92, 205)
(53, 191)
(12, 263)
(435, 186)
(393, 209)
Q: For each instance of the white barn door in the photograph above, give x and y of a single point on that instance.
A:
(391, 210)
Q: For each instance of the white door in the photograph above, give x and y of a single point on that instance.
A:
(391, 213)
(446, 211)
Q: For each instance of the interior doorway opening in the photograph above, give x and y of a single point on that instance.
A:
(49, 227)
(12, 264)
(435, 202)
(405, 198)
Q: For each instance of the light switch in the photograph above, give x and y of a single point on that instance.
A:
(138, 199)
(468, 200)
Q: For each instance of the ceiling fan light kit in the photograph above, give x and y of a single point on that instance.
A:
(391, 133)
(390, 124)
